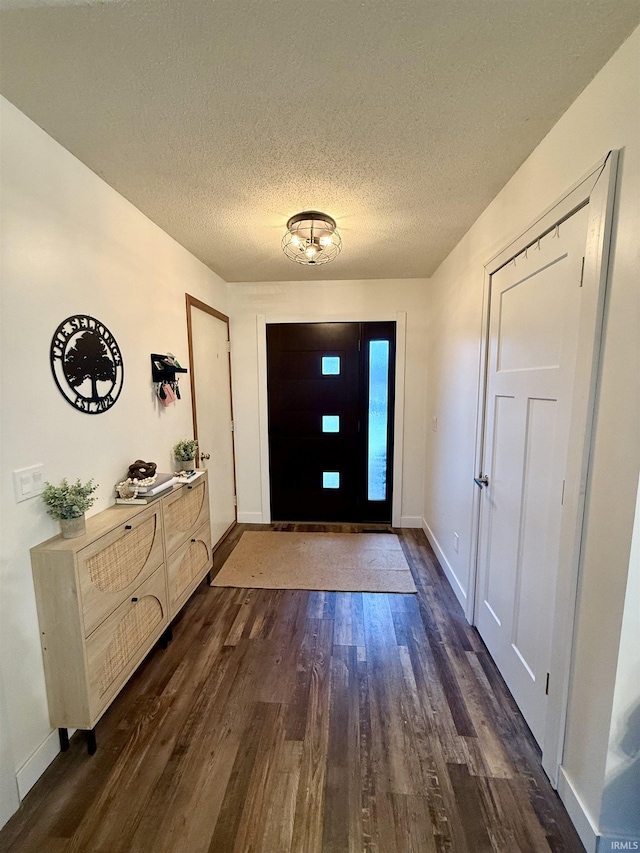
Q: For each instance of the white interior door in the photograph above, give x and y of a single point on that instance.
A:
(213, 412)
(533, 336)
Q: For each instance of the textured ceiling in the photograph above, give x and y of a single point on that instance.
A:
(219, 119)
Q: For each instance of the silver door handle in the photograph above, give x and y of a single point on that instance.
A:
(481, 481)
(205, 456)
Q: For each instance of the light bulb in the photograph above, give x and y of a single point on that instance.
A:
(326, 241)
(310, 251)
(296, 240)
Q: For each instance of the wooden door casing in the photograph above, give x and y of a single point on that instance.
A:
(223, 499)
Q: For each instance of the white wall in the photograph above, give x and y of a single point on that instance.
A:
(71, 244)
(605, 116)
(321, 300)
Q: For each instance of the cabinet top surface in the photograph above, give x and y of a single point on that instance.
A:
(106, 520)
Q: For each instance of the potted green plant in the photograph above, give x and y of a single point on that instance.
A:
(68, 502)
(185, 453)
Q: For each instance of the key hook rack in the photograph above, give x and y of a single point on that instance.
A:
(163, 370)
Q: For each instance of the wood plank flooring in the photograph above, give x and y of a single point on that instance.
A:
(282, 720)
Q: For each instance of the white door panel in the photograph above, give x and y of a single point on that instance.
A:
(529, 335)
(502, 526)
(533, 328)
(535, 562)
(212, 379)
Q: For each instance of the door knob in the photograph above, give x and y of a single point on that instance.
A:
(481, 481)
(205, 456)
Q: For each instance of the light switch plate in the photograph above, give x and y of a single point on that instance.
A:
(28, 482)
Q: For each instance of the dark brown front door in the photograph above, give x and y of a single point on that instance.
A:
(331, 420)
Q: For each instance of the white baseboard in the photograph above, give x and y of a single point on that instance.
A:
(411, 521)
(34, 767)
(455, 584)
(580, 817)
(250, 518)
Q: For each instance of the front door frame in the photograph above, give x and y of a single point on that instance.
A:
(597, 189)
(400, 319)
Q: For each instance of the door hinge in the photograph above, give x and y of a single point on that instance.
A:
(235, 500)
(228, 346)
(582, 273)
(231, 426)
(546, 687)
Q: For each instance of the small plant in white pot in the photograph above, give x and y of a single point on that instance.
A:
(185, 453)
(68, 502)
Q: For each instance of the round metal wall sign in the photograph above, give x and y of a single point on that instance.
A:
(87, 364)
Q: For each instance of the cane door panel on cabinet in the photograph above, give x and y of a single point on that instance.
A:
(113, 566)
(116, 648)
(185, 511)
(187, 566)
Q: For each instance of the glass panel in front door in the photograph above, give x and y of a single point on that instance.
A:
(378, 415)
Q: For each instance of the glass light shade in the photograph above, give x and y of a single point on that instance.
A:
(312, 238)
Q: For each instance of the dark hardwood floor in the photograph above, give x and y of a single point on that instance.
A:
(303, 721)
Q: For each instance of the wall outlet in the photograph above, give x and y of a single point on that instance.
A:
(434, 423)
(456, 542)
(28, 482)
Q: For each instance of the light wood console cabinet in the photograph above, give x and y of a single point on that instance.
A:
(105, 598)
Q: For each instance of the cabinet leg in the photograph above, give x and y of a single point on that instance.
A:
(63, 734)
(91, 741)
(166, 638)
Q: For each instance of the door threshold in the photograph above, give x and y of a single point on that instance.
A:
(363, 526)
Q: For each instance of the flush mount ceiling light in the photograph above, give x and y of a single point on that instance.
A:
(311, 238)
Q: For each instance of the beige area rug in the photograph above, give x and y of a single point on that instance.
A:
(340, 562)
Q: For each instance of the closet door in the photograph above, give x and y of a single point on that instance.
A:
(533, 334)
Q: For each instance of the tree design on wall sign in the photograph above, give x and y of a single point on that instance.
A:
(87, 364)
(89, 359)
